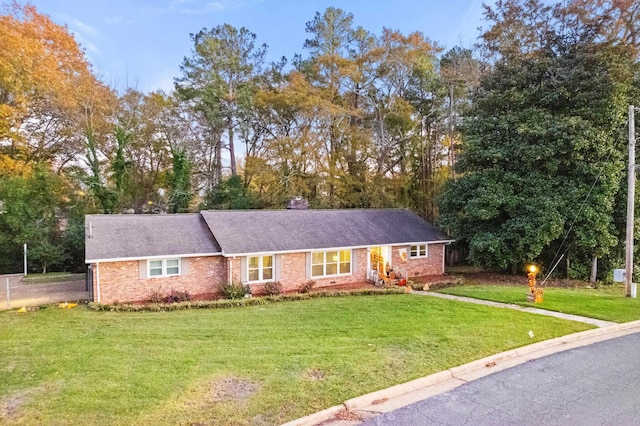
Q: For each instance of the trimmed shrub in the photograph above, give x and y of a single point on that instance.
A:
(176, 296)
(247, 290)
(273, 288)
(239, 302)
(156, 297)
(232, 290)
(307, 287)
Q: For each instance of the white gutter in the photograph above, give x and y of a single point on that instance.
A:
(164, 256)
(304, 250)
(98, 280)
(223, 253)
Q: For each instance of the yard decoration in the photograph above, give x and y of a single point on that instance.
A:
(535, 293)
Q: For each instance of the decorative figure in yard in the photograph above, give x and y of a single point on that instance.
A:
(535, 293)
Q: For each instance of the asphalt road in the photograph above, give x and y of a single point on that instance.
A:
(21, 294)
(597, 384)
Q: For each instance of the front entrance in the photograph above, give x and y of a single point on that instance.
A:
(378, 263)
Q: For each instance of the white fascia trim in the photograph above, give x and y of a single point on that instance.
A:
(307, 250)
(165, 256)
(425, 242)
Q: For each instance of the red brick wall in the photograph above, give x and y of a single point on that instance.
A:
(121, 282)
(294, 272)
(235, 264)
(420, 267)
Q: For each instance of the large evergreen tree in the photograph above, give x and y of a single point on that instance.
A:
(541, 159)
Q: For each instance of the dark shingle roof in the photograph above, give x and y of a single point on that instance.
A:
(255, 231)
(136, 236)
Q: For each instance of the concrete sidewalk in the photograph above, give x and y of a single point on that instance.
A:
(570, 317)
(356, 410)
(21, 294)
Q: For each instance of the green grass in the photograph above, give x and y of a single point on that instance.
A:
(605, 303)
(52, 277)
(254, 365)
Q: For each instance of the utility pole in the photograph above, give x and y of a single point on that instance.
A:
(631, 189)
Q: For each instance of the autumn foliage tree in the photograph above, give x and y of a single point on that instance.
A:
(45, 88)
(43, 79)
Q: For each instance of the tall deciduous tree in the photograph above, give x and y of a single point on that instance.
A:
(219, 78)
(180, 193)
(44, 80)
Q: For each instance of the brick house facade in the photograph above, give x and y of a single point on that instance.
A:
(133, 257)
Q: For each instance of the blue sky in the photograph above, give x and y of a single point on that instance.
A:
(141, 43)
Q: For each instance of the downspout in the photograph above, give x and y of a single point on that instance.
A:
(98, 281)
(444, 252)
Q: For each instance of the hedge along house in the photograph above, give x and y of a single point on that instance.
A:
(133, 256)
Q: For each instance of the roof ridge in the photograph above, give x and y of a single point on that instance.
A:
(306, 210)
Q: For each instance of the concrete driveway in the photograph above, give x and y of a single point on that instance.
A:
(21, 294)
(598, 384)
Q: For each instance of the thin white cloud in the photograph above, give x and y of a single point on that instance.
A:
(91, 47)
(83, 28)
(86, 35)
(162, 81)
(86, 42)
(118, 20)
(210, 7)
(466, 31)
(198, 7)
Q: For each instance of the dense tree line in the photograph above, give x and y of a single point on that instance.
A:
(543, 161)
(532, 118)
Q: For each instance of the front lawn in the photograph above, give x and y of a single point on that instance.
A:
(253, 365)
(52, 277)
(606, 302)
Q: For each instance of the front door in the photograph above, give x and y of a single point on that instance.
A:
(379, 260)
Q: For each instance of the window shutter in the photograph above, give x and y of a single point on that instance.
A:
(277, 265)
(308, 264)
(142, 269)
(184, 266)
(243, 269)
(354, 261)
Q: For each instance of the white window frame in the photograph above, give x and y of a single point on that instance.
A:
(164, 267)
(338, 262)
(261, 268)
(418, 250)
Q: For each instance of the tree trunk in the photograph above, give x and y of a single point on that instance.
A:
(514, 268)
(218, 162)
(594, 270)
(232, 150)
(451, 153)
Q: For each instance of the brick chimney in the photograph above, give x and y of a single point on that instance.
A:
(298, 203)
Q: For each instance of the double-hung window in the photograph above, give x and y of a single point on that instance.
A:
(259, 268)
(328, 263)
(164, 267)
(419, 250)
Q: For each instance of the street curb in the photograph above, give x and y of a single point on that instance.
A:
(316, 418)
(374, 401)
(360, 402)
